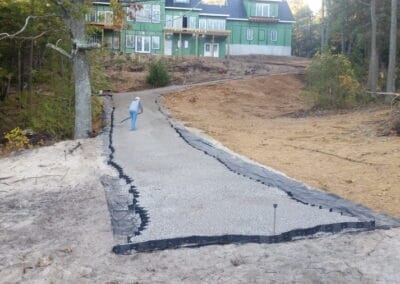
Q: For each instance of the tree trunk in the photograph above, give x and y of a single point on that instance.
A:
(327, 23)
(19, 73)
(373, 62)
(323, 26)
(391, 77)
(83, 103)
(83, 90)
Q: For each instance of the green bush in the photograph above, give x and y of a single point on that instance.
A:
(331, 82)
(158, 74)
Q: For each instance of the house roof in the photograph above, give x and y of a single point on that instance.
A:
(234, 8)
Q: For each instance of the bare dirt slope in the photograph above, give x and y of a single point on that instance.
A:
(55, 228)
(266, 119)
(128, 72)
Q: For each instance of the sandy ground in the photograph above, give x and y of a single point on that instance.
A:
(265, 118)
(55, 228)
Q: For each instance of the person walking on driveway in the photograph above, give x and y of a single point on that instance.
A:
(134, 110)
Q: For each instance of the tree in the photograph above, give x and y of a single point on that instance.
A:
(391, 77)
(305, 30)
(373, 62)
(72, 13)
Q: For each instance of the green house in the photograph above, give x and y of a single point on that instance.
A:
(203, 28)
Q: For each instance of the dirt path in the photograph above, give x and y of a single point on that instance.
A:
(263, 118)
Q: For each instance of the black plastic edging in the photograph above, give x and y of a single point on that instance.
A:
(135, 208)
(243, 168)
(201, 241)
(294, 189)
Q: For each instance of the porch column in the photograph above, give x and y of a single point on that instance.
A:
(180, 44)
(197, 44)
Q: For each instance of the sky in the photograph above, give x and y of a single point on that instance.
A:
(315, 5)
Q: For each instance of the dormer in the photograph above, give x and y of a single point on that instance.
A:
(262, 10)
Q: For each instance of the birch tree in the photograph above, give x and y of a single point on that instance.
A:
(391, 77)
(373, 62)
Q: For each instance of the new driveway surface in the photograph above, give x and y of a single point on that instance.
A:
(187, 192)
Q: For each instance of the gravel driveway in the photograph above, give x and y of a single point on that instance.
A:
(188, 193)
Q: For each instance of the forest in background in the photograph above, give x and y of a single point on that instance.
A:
(345, 27)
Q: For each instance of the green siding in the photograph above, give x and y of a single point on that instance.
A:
(261, 33)
(250, 6)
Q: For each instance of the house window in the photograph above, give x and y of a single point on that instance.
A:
(91, 17)
(143, 44)
(169, 21)
(130, 41)
(215, 24)
(144, 14)
(262, 10)
(177, 22)
(250, 34)
(155, 13)
(105, 17)
(148, 14)
(181, 1)
(274, 35)
(155, 41)
(202, 24)
(212, 24)
(192, 22)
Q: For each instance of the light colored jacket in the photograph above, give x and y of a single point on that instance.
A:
(136, 106)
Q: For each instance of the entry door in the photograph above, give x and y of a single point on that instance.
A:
(168, 47)
(211, 50)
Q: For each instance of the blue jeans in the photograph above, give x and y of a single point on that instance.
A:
(133, 115)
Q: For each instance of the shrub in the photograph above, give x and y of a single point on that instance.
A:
(331, 82)
(158, 74)
(16, 140)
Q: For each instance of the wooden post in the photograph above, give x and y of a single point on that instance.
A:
(212, 46)
(180, 44)
(197, 44)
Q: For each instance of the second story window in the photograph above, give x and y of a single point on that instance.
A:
(105, 17)
(148, 14)
(262, 10)
(212, 24)
(192, 22)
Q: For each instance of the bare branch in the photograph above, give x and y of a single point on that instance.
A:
(59, 50)
(32, 37)
(7, 35)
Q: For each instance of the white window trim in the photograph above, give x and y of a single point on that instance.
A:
(104, 20)
(250, 34)
(157, 40)
(134, 41)
(151, 18)
(274, 35)
(262, 5)
(136, 44)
